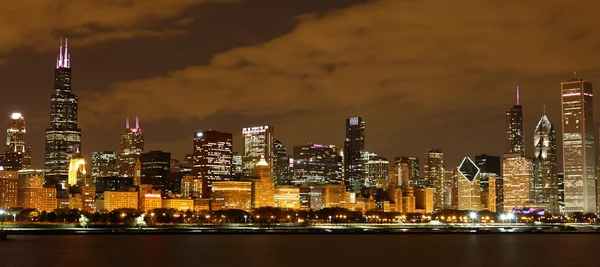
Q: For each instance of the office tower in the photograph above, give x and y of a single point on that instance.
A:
(518, 172)
(9, 184)
(545, 182)
(282, 173)
(231, 195)
(354, 148)
(236, 165)
(213, 155)
(104, 164)
(49, 203)
(450, 188)
(191, 186)
(414, 176)
(311, 197)
(424, 199)
(175, 165)
(316, 163)
(132, 146)
(287, 197)
(16, 150)
(263, 187)
(31, 187)
(77, 172)
(578, 146)
(491, 166)
(334, 195)
(408, 200)
(258, 142)
(514, 127)
(434, 175)
(469, 186)
(63, 136)
(377, 172)
(560, 178)
(156, 166)
(88, 198)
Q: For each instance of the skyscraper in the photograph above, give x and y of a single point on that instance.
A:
(213, 156)
(518, 171)
(414, 176)
(15, 149)
(258, 142)
(514, 127)
(491, 167)
(377, 172)
(316, 163)
(282, 173)
(579, 161)
(545, 180)
(156, 166)
(354, 148)
(469, 193)
(104, 164)
(434, 175)
(63, 137)
(263, 187)
(132, 146)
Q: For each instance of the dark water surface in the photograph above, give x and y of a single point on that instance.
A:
(301, 250)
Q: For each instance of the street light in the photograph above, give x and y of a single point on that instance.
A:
(473, 216)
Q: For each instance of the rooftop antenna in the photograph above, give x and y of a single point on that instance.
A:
(127, 123)
(137, 122)
(518, 97)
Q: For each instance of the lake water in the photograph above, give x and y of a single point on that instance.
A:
(301, 250)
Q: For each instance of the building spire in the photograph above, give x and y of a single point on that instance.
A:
(67, 64)
(63, 60)
(544, 110)
(137, 122)
(127, 123)
(518, 97)
(59, 59)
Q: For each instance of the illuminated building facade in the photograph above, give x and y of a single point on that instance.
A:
(113, 184)
(258, 142)
(424, 199)
(263, 188)
(518, 173)
(31, 189)
(156, 167)
(213, 156)
(49, 203)
(311, 197)
(408, 200)
(104, 164)
(132, 147)
(113, 200)
(354, 148)
(282, 171)
(545, 181)
(149, 201)
(579, 161)
(287, 197)
(450, 188)
(334, 195)
(316, 163)
(412, 165)
(514, 127)
(77, 171)
(63, 136)
(88, 198)
(560, 177)
(191, 186)
(16, 153)
(231, 195)
(236, 165)
(181, 204)
(377, 172)
(469, 186)
(9, 189)
(434, 175)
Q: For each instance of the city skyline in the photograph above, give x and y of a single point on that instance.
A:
(106, 65)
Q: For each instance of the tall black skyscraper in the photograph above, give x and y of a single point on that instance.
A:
(544, 187)
(354, 148)
(514, 127)
(63, 137)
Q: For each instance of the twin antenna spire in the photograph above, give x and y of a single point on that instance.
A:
(137, 123)
(63, 60)
(518, 97)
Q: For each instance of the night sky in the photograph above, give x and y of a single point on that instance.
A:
(423, 74)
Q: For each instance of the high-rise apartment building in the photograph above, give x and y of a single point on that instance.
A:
(258, 142)
(518, 172)
(104, 164)
(514, 127)
(132, 146)
(414, 175)
(213, 157)
(544, 187)
(316, 163)
(579, 161)
(17, 155)
(434, 175)
(63, 136)
(354, 148)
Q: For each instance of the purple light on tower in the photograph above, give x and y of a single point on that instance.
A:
(518, 97)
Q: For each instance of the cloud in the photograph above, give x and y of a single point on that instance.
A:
(38, 23)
